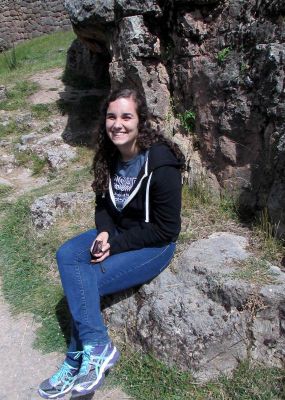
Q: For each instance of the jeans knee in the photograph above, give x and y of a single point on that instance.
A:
(63, 253)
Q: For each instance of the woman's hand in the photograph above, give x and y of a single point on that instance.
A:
(105, 251)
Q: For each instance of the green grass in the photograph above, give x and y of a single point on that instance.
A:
(17, 95)
(31, 160)
(4, 190)
(254, 270)
(13, 129)
(272, 248)
(38, 54)
(27, 264)
(7, 130)
(144, 377)
(43, 111)
(199, 197)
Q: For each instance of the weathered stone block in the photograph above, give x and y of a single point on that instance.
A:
(198, 315)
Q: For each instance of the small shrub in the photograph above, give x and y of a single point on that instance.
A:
(223, 54)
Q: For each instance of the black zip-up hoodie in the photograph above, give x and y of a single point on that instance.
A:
(151, 215)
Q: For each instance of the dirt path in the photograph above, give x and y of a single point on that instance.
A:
(23, 367)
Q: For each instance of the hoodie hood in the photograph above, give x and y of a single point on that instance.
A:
(159, 155)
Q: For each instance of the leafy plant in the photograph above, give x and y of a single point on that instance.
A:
(223, 54)
(187, 120)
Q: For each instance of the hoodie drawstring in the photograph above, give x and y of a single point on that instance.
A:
(147, 199)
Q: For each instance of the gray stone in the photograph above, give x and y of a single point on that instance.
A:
(141, 43)
(4, 143)
(46, 209)
(29, 138)
(3, 45)
(50, 148)
(197, 315)
(3, 93)
(151, 79)
(24, 118)
(99, 10)
(60, 156)
(134, 7)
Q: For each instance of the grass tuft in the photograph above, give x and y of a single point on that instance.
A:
(272, 248)
(31, 160)
(43, 111)
(255, 270)
(17, 95)
(4, 190)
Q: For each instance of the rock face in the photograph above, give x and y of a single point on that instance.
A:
(222, 60)
(199, 315)
(46, 209)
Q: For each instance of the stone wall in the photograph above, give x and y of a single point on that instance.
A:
(25, 19)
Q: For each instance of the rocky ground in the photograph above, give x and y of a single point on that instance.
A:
(24, 367)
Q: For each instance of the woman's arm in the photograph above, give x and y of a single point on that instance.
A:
(165, 208)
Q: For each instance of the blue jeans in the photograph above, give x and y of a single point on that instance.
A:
(84, 283)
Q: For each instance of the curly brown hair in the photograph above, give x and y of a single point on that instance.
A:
(106, 153)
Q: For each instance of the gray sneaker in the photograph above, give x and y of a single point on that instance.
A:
(60, 383)
(96, 361)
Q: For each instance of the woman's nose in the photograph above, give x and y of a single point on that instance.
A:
(117, 123)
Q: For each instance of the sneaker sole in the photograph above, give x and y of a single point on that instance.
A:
(56, 395)
(78, 390)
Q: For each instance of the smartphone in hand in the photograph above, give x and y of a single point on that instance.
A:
(96, 248)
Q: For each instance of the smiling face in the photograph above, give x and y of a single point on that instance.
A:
(122, 125)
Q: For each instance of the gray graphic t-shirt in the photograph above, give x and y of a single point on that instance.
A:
(125, 177)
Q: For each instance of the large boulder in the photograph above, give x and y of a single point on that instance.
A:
(201, 315)
(224, 62)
